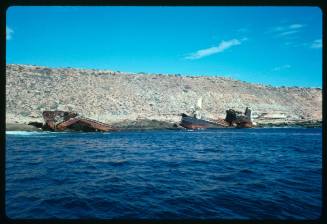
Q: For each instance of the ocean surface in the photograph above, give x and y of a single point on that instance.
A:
(264, 173)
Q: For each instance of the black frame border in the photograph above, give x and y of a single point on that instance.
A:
(5, 4)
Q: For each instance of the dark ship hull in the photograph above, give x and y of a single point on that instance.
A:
(195, 123)
(233, 119)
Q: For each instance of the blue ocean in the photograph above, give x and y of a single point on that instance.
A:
(260, 173)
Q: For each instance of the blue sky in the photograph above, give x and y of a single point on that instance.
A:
(267, 45)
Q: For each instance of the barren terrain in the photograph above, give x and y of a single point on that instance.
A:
(116, 97)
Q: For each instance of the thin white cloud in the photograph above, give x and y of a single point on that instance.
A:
(9, 33)
(296, 26)
(287, 33)
(316, 44)
(290, 33)
(223, 45)
(276, 29)
(283, 67)
(282, 31)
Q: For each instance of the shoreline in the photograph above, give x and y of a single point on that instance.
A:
(161, 125)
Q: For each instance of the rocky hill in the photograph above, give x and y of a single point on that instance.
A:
(113, 97)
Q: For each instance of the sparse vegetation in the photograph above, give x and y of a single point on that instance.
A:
(130, 96)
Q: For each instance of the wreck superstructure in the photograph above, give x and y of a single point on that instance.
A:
(238, 119)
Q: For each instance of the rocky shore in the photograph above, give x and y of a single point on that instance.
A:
(150, 101)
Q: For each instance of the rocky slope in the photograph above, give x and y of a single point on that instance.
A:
(115, 97)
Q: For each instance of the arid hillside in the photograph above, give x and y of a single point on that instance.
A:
(115, 97)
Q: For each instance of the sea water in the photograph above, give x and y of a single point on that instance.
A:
(262, 173)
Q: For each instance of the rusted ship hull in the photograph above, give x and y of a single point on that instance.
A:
(193, 123)
(63, 120)
(189, 122)
(244, 124)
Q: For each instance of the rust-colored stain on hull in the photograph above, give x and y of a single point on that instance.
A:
(246, 124)
(194, 126)
(190, 122)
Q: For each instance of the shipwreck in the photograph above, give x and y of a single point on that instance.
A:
(238, 119)
(70, 121)
(192, 122)
(233, 119)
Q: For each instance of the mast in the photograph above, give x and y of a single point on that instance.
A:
(198, 107)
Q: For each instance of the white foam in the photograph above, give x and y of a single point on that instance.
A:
(25, 133)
